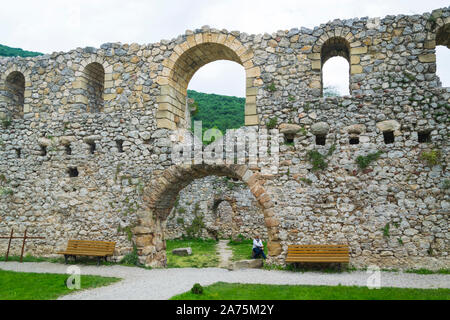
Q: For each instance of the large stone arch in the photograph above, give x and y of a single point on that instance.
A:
(189, 56)
(160, 196)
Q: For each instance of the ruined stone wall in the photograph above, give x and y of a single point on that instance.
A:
(70, 170)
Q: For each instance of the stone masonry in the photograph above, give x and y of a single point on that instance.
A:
(85, 140)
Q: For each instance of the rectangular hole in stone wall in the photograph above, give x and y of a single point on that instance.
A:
(388, 137)
(92, 147)
(73, 172)
(19, 153)
(354, 140)
(288, 139)
(43, 151)
(321, 139)
(68, 149)
(119, 145)
(424, 136)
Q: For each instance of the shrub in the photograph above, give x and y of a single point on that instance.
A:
(197, 289)
(432, 158)
(271, 87)
(131, 258)
(272, 123)
(364, 161)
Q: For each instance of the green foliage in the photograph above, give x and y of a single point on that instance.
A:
(432, 158)
(271, 87)
(197, 289)
(204, 253)
(291, 98)
(446, 184)
(131, 258)
(217, 111)
(238, 291)
(400, 241)
(6, 192)
(6, 51)
(6, 123)
(318, 160)
(386, 230)
(364, 161)
(43, 286)
(272, 123)
(180, 221)
(306, 180)
(195, 229)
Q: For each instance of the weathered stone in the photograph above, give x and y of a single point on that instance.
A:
(182, 251)
(248, 264)
(320, 128)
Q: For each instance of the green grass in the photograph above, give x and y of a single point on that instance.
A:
(204, 254)
(43, 286)
(243, 250)
(235, 291)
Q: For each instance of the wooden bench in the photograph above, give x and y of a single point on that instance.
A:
(318, 254)
(99, 249)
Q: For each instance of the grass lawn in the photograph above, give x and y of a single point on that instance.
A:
(243, 250)
(204, 254)
(236, 291)
(43, 286)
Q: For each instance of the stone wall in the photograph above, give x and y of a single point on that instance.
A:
(90, 160)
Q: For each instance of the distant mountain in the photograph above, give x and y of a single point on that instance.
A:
(6, 51)
(217, 111)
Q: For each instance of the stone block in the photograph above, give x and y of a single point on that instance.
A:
(248, 264)
(182, 251)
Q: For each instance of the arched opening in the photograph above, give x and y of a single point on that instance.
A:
(443, 54)
(335, 66)
(162, 194)
(14, 93)
(92, 83)
(187, 58)
(227, 209)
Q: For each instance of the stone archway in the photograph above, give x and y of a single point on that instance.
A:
(160, 196)
(187, 58)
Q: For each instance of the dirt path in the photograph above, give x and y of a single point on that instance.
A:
(225, 254)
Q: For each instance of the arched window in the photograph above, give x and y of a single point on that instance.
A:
(93, 84)
(443, 54)
(14, 93)
(335, 61)
(218, 92)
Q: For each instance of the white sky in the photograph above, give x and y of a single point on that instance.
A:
(55, 25)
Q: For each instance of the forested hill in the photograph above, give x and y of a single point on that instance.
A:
(6, 51)
(222, 112)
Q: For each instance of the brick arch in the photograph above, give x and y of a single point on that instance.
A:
(161, 194)
(337, 42)
(94, 74)
(26, 85)
(189, 56)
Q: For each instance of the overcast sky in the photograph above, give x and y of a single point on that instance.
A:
(56, 25)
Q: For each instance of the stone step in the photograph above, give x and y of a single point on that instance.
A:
(247, 264)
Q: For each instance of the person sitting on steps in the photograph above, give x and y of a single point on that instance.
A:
(258, 248)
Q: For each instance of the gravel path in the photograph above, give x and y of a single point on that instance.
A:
(141, 284)
(225, 253)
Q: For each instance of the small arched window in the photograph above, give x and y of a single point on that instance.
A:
(14, 93)
(443, 54)
(335, 62)
(93, 84)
